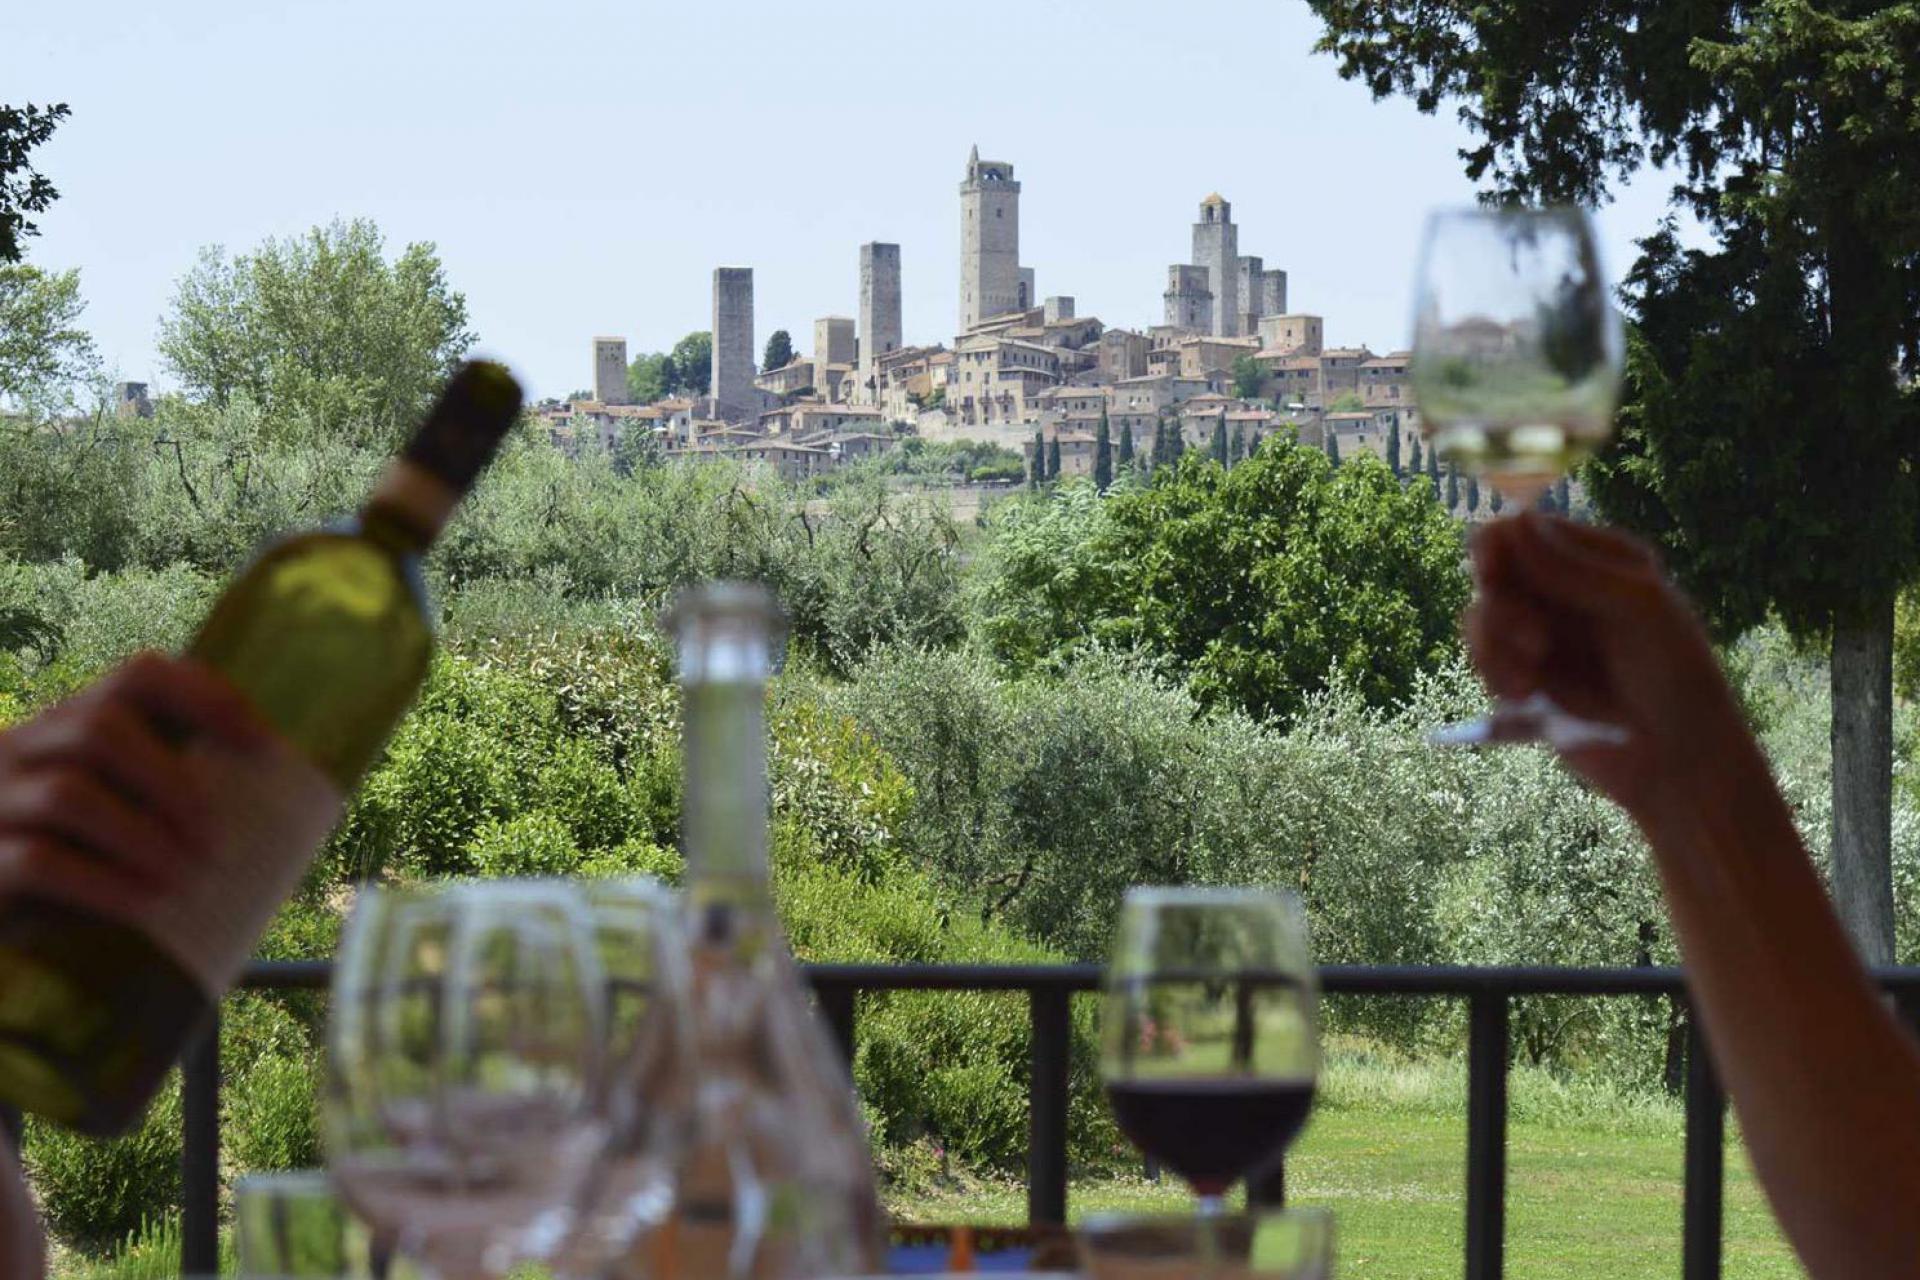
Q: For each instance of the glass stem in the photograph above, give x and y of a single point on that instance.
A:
(1210, 1210)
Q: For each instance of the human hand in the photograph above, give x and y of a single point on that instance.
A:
(1587, 617)
(98, 806)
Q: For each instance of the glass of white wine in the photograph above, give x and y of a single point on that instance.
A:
(1517, 353)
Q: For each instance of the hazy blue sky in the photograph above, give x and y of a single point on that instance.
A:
(584, 166)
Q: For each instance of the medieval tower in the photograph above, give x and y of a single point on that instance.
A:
(1216, 246)
(879, 313)
(990, 278)
(732, 388)
(610, 370)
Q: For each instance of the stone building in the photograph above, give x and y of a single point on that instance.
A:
(1123, 354)
(1340, 371)
(1189, 299)
(833, 344)
(732, 389)
(130, 400)
(1384, 382)
(807, 418)
(879, 313)
(991, 279)
(795, 375)
(1293, 334)
(610, 370)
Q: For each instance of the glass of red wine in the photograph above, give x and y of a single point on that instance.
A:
(1209, 1033)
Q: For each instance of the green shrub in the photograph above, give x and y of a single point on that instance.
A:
(532, 844)
(95, 1194)
(270, 1118)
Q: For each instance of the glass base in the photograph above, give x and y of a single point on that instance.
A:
(1532, 719)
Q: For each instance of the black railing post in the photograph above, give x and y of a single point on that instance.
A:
(1701, 1218)
(1486, 1134)
(200, 1153)
(837, 1002)
(1047, 1101)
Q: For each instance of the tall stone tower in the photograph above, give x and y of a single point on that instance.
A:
(610, 370)
(1273, 293)
(1216, 246)
(879, 313)
(1190, 302)
(732, 387)
(989, 240)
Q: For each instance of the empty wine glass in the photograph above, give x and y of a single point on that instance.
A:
(1516, 366)
(1209, 1034)
(648, 1082)
(466, 1093)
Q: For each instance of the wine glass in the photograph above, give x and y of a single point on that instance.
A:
(649, 1080)
(1516, 368)
(1209, 1037)
(466, 1093)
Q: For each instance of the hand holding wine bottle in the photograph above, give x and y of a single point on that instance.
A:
(163, 771)
(97, 805)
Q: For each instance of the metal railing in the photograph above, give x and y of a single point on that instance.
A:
(1049, 989)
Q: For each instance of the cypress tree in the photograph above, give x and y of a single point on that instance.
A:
(1237, 447)
(1473, 494)
(1053, 458)
(1220, 439)
(1102, 455)
(1563, 496)
(1415, 465)
(1333, 447)
(1453, 488)
(1496, 500)
(1037, 462)
(1126, 445)
(1433, 468)
(1393, 449)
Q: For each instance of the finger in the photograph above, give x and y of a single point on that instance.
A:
(1508, 644)
(76, 808)
(37, 866)
(107, 738)
(1577, 572)
(191, 697)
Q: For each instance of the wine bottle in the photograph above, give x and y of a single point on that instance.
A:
(327, 634)
(779, 1183)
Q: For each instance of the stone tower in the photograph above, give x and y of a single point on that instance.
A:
(1216, 246)
(1273, 293)
(732, 390)
(1189, 298)
(832, 344)
(879, 313)
(610, 370)
(1247, 274)
(989, 241)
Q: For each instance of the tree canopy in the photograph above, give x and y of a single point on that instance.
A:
(23, 191)
(321, 330)
(693, 364)
(44, 353)
(779, 352)
(1257, 584)
(1247, 376)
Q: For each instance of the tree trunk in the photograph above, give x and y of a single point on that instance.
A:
(1862, 683)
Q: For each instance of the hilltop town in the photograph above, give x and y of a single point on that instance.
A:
(1228, 355)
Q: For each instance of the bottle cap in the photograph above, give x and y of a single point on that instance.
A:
(474, 413)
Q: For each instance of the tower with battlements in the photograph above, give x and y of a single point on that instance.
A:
(1189, 298)
(989, 241)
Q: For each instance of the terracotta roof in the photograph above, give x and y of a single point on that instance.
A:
(1212, 198)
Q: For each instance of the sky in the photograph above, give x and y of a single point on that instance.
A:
(582, 167)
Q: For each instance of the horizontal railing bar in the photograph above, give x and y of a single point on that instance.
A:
(1338, 979)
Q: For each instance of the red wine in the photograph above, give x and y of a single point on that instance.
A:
(1211, 1131)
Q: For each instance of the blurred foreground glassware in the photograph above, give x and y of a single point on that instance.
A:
(1517, 354)
(649, 1080)
(294, 1225)
(464, 1111)
(1282, 1244)
(779, 1182)
(1209, 1032)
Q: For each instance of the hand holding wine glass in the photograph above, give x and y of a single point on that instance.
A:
(1516, 367)
(1209, 1034)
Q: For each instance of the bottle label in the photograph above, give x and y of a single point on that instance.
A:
(276, 809)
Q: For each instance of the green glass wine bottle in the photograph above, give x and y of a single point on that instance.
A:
(328, 634)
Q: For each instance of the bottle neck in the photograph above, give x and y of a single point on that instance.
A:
(724, 810)
(408, 507)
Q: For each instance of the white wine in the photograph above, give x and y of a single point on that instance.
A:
(779, 1183)
(327, 635)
